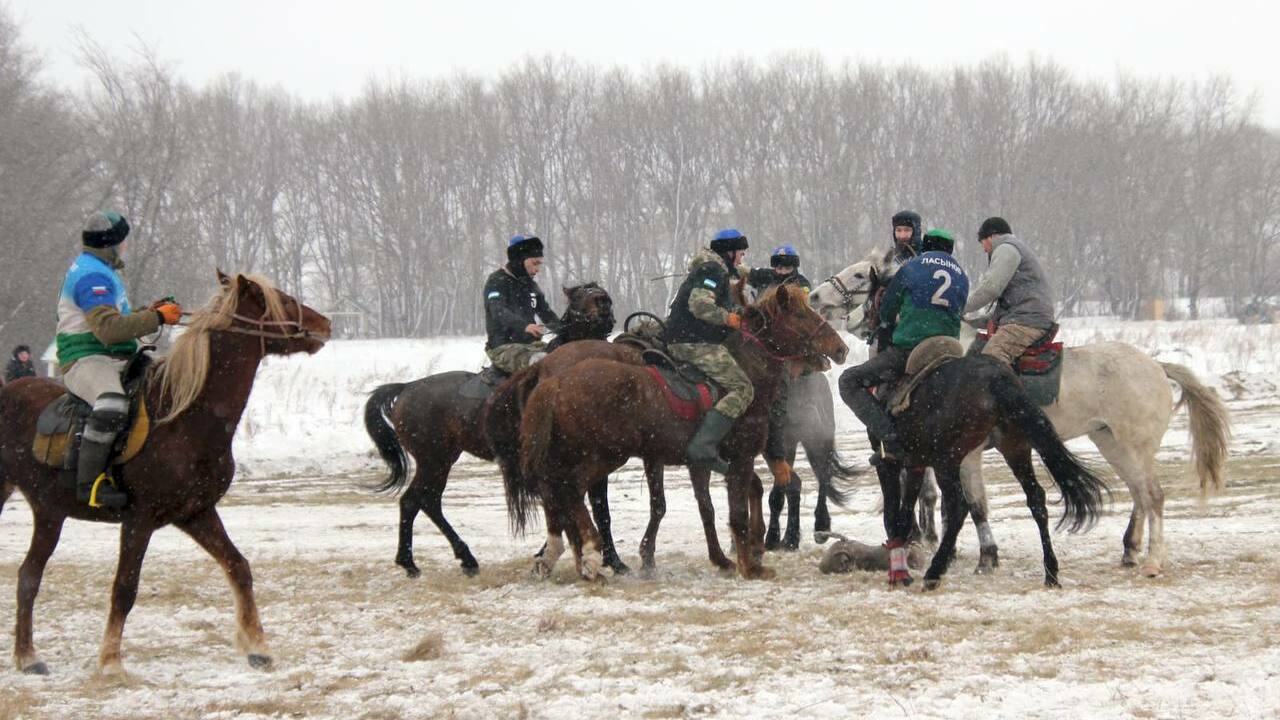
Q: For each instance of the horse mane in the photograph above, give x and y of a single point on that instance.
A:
(183, 373)
(767, 302)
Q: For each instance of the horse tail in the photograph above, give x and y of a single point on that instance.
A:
(502, 423)
(536, 429)
(836, 492)
(380, 404)
(1082, 490)
(1210, 427)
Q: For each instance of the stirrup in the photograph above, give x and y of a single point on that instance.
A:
(93, 492)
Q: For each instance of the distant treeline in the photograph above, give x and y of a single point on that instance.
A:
(394, 205)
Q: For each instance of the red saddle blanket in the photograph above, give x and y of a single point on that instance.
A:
(698, 400)
(1038, 359)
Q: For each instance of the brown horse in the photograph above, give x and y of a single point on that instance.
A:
(434, 422)
(585, 423)
(199, 393)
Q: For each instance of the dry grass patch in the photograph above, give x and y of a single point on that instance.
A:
(430, 647)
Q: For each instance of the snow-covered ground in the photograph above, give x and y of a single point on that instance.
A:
(352, 637)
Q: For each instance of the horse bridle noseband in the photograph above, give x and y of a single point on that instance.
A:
(848, 298)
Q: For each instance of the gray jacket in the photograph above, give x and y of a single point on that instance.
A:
(1017, 284)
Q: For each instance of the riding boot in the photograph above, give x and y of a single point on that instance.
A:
(704, 448)
(109, 416)
(872, 414)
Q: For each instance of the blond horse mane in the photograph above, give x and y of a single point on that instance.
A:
(183, 373)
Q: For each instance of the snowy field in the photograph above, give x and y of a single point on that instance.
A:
(352, 637)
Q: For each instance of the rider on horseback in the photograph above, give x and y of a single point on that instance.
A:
(784, 269)
(513, 303)
(925, 299)
(906, 236)
(702, 316)
(1016, 283)
(97, 333)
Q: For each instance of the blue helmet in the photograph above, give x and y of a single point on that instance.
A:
(784, 256)
(728, 240)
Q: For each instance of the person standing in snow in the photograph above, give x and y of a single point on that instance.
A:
(20, 365)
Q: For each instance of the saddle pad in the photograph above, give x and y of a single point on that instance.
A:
(56, 449)
(687, 401)
(900, 396)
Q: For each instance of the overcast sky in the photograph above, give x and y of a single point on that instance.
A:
(324, 48)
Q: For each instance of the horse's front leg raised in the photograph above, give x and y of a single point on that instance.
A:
(44, 538)
(134, 539)
(207, 530)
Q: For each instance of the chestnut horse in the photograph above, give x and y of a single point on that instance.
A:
(586, 422)
(198, 393)
(430, 420)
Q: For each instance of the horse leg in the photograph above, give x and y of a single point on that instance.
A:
(744, 500)
(926, 505)
(410, 504)
(777, 499)
(819, 454)
(134, 539)
(904, 527)
(954, 509)
(545, 561)
(700, 478)
(890, 474)
(975, 493)
(44, 538)
(1019, 458)
(755, 516)
(586, 542)
(791, 539)
(653, 472)
(599, 495)
(5, 491)
(432, 505)
(1136, 467)
(207, 530)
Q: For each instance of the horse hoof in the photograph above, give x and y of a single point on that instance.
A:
(1128, 562)
(1151, 570)
(258, 661)
(932, 583)
(470, 570)
(541, 569)
(760, 572)
(409, 568)
(619, 568)
(1051, 582)
(113, 669)
(36, 668)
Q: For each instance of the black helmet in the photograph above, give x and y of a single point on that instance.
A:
(105, 229)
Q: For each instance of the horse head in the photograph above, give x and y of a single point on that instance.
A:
(251, 305)
(789, 327)
(590, 312)
(844, 295)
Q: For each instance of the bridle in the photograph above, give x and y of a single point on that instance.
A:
(806, 338)
(262, 328)
(849, 298)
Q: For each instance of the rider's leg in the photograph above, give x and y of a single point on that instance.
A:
(855, 390)
(96, 380)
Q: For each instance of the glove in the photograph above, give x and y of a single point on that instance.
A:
(170, 313)
(733, 320)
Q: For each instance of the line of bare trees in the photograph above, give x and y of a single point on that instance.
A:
(395, 205)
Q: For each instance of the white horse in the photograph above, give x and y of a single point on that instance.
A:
(1111, 391)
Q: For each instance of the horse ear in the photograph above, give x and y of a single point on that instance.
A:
(783, 296)
(567, 293)
(249, 288)
(222, 278)
(874, 276)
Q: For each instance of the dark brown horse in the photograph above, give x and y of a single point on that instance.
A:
(586, 422)
(198, 393)
(434, 422)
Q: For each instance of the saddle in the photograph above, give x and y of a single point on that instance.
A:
(688, 391)
(61, 424)
(483, 384)
(931, 354)
(1039, 367)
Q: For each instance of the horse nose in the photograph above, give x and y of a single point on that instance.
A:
(841, 354)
